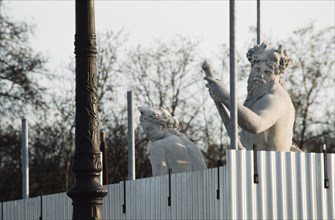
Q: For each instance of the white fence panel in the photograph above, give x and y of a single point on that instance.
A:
(290, 186)
(25, 209)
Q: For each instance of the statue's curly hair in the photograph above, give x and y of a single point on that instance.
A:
(276, 58)
(158, 115)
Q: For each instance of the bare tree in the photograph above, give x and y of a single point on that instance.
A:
(168, 74)
(19, 67)
(110, 80)
(311, 86)
(10, 167)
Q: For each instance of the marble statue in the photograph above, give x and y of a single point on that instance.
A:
(170, 149)
(267, 115)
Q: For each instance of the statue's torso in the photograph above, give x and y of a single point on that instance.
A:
(170, 153)
(279, 136)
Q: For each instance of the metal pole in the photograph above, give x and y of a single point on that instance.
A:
(233, 77)
(41, 207)
(2, 215)
(131, 137)
(258, 22)
(325, 169)
(103, 148)
(124, 205)
(25, 160)
(169, 197)
(87, 193)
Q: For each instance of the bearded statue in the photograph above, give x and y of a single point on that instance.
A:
(267, 116)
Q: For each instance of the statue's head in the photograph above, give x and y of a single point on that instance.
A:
(155, 120)
(277, 59)
(267, 66)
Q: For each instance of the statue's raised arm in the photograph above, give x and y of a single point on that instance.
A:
(223, 111)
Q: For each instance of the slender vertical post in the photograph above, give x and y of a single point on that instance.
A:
(233, 77)
(131, 137)
(124, 205)
(87, 193)
(221, 143)
(255, 164)
(41, 207)
(325, 169)
(103, 148)
(218, 173)
(169, 197)
(258, 22)
(25, 160)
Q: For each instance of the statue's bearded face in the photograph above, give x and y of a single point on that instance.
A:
(261, 73)
(262, 80)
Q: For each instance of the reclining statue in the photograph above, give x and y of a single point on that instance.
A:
(170, 149)
(267, 115)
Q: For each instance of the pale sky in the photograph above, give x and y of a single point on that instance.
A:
(207, 21)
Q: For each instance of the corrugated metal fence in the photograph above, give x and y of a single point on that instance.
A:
(290, 186)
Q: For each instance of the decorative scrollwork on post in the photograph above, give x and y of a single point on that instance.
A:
(87, 163)
(85, 44)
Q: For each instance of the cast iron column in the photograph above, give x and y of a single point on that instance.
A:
(87, 193)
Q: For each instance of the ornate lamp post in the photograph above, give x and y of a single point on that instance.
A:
(87, 193)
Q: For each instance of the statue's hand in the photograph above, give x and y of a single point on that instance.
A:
(217, 90)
